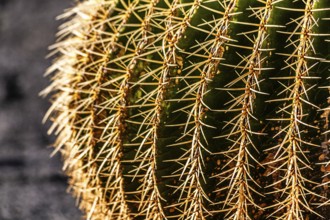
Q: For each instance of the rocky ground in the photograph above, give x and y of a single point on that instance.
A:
(32, 185)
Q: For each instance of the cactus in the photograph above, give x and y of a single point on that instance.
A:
(194, 109)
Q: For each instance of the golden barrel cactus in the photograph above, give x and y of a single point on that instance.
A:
(194, 109)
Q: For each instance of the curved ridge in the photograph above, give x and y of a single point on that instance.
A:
(192, 193)
(291, 154)
(239, 197)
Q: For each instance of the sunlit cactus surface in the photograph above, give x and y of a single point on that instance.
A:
(194, 109)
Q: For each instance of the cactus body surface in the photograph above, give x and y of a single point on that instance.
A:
(194, 109)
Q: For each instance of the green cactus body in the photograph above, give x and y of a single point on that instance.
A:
(194, 109)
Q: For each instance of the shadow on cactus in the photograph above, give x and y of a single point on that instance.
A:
(205, 109)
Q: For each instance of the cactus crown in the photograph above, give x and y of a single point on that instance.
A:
(194, 109)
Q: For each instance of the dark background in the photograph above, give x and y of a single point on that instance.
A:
(32, 185)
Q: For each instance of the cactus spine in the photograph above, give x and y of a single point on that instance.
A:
(194, 109)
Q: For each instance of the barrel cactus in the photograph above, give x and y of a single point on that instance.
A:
(194, 109)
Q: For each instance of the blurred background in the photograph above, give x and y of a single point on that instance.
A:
(32, 185)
